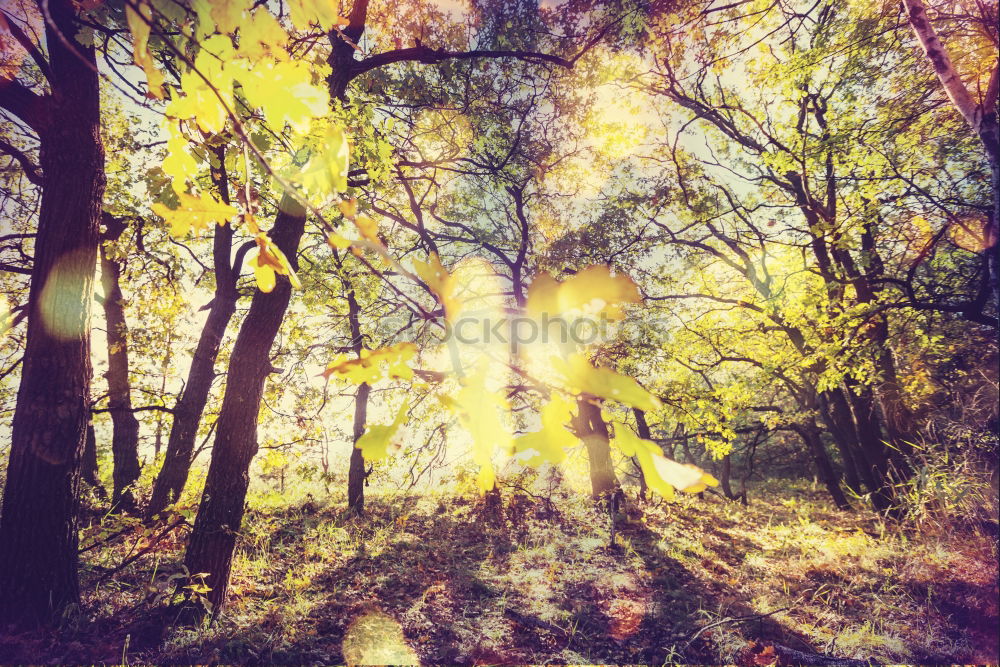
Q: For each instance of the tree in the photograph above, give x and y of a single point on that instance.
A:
(38, 536)
(125, 434)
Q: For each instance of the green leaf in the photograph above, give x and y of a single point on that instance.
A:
(378, 439)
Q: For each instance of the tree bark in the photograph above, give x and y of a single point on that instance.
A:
(356, 472)
(592, 429)
(642, 428)
(38, 527)
(213, 540)
(980, 116)
(89, 470)
(125, 426)
(190, 405)
(810, 435)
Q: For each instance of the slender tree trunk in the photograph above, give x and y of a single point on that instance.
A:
(981, 116)
(810, 435)
(125, 426)
(356, 473)
(38, 527)
(220, 514)
(642, 428)
(190, 405)
(90, 472)
(592, 429)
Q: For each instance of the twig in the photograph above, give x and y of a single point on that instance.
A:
(732, 619)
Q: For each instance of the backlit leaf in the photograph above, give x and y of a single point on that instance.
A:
(377, 440)
(583, 378)
(195, 212)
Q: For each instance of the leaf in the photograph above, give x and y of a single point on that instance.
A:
(593, 287)
(551, 442)
(270, 256)
(139, 25)
(208, 88)
(228, 14)
(285, 93)
(374, 365)
(368, 228)
(377, 439)
(195, 211)
(480, 411)
(582, 378)
(440, 282)
(263, 274)
(178, 163)
(662, 475)
(326, 171)
(307, 12)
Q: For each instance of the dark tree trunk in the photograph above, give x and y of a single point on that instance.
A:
(356, 470)
(810, 435)
(837, 417)
(89, 471)
(125, 426)
(642, 428)
(356, 473)
(38, 528)
(220, 514)
(592, 429)
(190, 405)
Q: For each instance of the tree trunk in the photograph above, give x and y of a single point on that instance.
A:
(190, 405)
(980, 116)
(642, 428)
(213, 540)
(810, 435)
(125, 426)
(592, 429)
(356, 473)
(38, 528)
(837, 417)
(89, 470)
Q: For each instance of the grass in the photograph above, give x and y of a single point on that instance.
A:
(430, 578)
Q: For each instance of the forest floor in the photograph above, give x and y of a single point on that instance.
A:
(433, 579)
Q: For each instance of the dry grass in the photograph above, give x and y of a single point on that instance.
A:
(428, 577)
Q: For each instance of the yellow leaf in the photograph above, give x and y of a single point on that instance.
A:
(551, 442)
(195, 211)
(263, 274)
(348, 207)
(270, 255)
(228, 14)
(480, 412)
(284, 91)
(368, 228)
(326, 171)
(320, 12)
(591, 288)
(139, 25)
(440, 282)
(374, 365)
(178, 163)
(583, 378)
(662, 475)
(261, 38)
(377, 439)
(337, 241)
